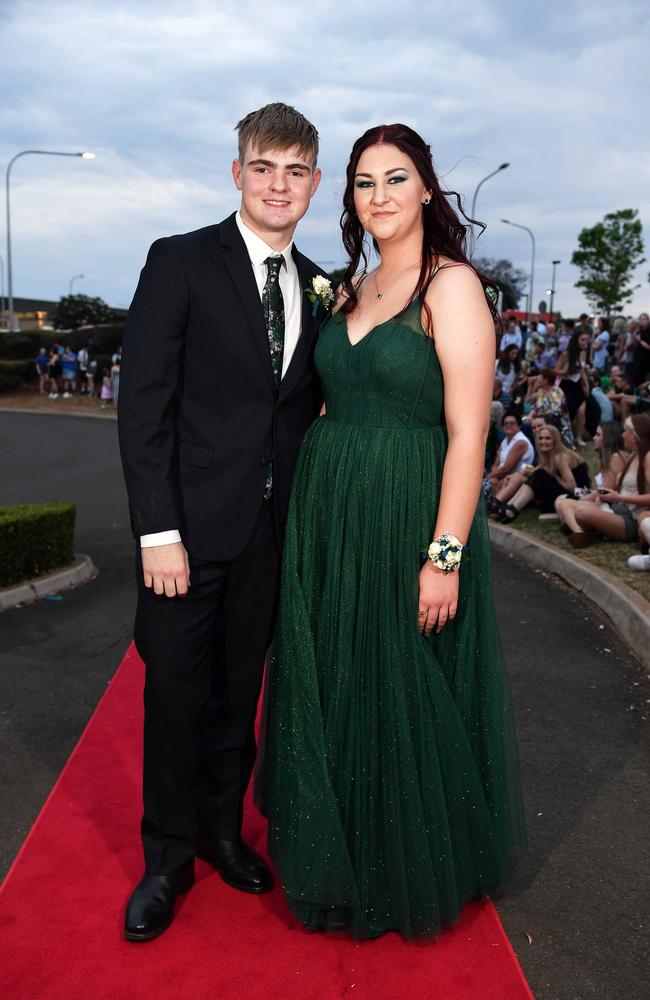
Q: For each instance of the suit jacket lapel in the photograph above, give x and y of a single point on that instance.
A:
(240, 268)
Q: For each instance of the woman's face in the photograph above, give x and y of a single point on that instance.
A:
(538, 423)
(544, 441)
(510, 427)
(644, 321)
(583, 341)
(388, 193)
(513, 353)
(629, 437)
(598, 438)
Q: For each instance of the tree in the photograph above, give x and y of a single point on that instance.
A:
(510, 280)
(72, 311)
(607, 255)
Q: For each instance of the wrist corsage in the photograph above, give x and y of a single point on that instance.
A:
(320, 292)
(446, 552)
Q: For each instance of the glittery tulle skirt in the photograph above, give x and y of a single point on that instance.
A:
(387, 764)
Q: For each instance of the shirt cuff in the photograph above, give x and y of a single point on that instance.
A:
(160, 538)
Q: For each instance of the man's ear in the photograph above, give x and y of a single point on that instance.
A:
(236, 173)
(315, 181)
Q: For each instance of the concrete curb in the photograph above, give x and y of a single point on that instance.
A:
(82, 571)
(628, 612)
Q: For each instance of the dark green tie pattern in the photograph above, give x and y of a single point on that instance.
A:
(273, 305)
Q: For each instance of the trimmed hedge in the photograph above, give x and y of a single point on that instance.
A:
(16, 373)
(35, 539)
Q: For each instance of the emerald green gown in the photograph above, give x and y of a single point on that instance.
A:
(388, 763)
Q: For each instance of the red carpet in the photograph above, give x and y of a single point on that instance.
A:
(61, 909)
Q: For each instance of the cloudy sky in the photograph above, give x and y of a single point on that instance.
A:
(154, 89)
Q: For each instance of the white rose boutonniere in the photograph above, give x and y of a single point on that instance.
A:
(320, 292)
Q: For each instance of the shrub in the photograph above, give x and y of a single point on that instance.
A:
(15, 373)
(35, 539)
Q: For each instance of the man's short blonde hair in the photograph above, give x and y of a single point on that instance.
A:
(278, 126)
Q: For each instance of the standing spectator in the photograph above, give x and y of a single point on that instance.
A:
(626, 344)
(116, 358)
(508, 371)
(106, 391)
(585, 325)
(600, 347)
(69, 371)
(572, 368)
(54, 372)
(82, 358)
(90, 377)
(641, 360)
(511, 336)
(42, 366)
(566, 331)
(115, 381)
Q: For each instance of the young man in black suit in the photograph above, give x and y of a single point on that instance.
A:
(217, 390)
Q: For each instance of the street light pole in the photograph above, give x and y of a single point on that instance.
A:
(532, 263)
(2, 289)
(478, 186)
(554, 263)
(25, 152)
(72, 281)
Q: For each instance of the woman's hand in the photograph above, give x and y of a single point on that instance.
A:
(611, 496)
(438, 601)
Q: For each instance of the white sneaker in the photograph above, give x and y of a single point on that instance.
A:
(54, 395)
(67, 395)
(639, 563)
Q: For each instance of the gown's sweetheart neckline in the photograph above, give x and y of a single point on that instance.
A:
(372, 329)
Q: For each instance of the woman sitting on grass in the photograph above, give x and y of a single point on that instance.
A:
(616, 513)
(559, 472)
(610, 447)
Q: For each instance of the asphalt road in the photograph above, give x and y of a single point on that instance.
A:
(576, 909)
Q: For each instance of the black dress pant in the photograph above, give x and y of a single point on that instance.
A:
(204, 656)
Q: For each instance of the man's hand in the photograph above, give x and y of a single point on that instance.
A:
(167, 569)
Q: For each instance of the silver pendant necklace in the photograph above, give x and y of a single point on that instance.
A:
(380, 295)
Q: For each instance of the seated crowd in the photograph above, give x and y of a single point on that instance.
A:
(554, 390)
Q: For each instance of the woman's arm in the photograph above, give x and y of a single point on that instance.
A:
(562, 365)
(611, 474)
(464, 338)
(565, 475)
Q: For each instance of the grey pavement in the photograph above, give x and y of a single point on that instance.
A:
(582, 704)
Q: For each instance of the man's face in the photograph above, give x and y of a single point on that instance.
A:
(276, 187)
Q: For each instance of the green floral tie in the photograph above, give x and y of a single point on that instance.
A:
(273, 305)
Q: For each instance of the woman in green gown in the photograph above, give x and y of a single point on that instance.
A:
(388, 768)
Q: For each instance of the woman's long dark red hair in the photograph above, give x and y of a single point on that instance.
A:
(444, 235)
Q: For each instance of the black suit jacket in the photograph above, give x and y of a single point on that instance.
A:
(199, 415)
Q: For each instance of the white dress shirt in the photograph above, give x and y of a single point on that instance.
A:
(258, 251)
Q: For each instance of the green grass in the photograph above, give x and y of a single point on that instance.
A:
(610, 556)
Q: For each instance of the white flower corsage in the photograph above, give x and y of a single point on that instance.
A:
(446, 552)
(320, 292)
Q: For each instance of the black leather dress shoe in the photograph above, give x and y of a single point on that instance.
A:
(238, 864)
(150, 909)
